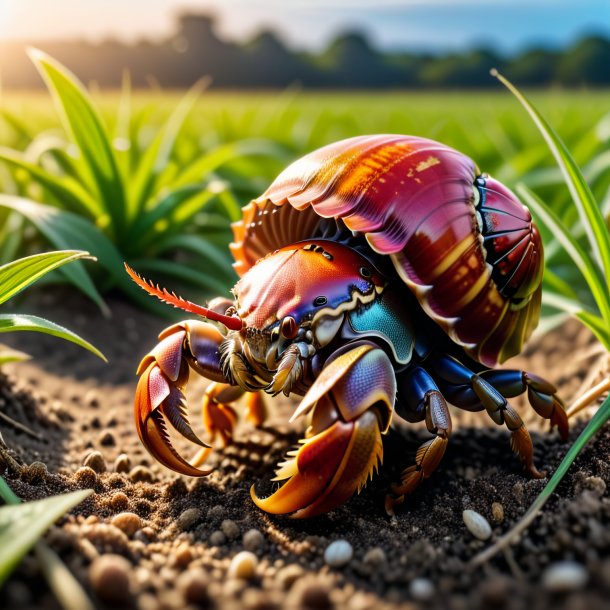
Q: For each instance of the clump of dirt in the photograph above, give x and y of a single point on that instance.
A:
(150, 539)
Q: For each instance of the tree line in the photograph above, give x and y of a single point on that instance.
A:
(350, 61)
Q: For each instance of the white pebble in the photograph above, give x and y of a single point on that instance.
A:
(564, 576)
(338, 553)
(477, 525)
(243, 565)
(421, 589)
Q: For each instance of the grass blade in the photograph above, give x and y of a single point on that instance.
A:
(86, 128)
(16, 276)
(21, 525)
(580, 257)
(19, 322)
(589, 211)
(11, 355)
(597, 421)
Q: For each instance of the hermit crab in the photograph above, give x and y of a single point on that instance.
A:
(379, 275)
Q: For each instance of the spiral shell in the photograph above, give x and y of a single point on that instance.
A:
(461, 241)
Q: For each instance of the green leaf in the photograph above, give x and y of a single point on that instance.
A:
(21, 525)
(16, 276)
(11, 355)
(20, 322)
(86, 128)
(578, 255)
(590, 214)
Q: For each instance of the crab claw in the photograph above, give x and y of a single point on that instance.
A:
(351, 404)
(160, 397)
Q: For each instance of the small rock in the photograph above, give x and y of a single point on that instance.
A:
(129, 523)
(95, 460)
(421, 589)
(253, 540)
(110, 578)
(141, 474)
(309, 593)
(230, 529)
(119, 501)
(193, 584)
(35, 473)
(477, 525)
(243, 566)
(338, 553)
(85, 477)
(564, 576)
(217, 538)
(122, 463)
(374, 557)
(183, 556)
(497, 512)
(91, 399)
(107, 439)
(288, 575)
(188, 518)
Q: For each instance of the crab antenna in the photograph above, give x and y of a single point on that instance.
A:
(231, 322)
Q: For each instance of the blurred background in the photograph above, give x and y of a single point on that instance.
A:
(311, 43)
(170, 115)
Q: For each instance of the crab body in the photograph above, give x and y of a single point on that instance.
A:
(380, 274)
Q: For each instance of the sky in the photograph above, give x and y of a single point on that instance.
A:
(508, 26)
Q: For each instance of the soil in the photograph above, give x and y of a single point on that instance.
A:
(175, 548)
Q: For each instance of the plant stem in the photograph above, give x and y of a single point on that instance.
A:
(588, 397)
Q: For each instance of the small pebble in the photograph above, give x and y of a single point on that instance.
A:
(374, 557)
(243, 565)
(129, 523)
(421, 589)
(288, 575)
(141, 474)
(477, 525)
(193, 584)
(338, 553)
(217, 538)
(564, 576)
(119, 501)
(122, 463)
(35, 473)
(95, 460)
(85, 477)
(309, 593)
(110, 578)
(497, 512)
(230, 529)
(188, 518)
(183, 556)
(107, 439)
(253, 540)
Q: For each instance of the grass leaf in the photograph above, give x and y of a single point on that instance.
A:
(16, 276)
(19, 322)
(21, 525)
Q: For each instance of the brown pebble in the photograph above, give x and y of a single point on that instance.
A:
(128, 523)
(35, 473)
(145, 535)
(217, 538)
(309, 593)
(374, 557)
(253, 540)
(497, 512)
(106, 439)
(95, 460)
(243, 566)
(193, 584)
(288, 575)
(119, 501)
(183, 556)
(141, 474)
(110, 578)
(188, 518)
(85, 477)
(230, 529)
(122, 463)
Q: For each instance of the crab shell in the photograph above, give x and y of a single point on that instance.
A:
(462, 242)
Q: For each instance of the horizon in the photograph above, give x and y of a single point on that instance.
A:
(391, 26)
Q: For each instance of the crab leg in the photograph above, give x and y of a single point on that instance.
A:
(350, 405)
(472, 391)
(160, 395)
(425, 401)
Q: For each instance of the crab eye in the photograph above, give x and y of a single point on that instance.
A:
(289, 328)
(365, 272)
(319, 301)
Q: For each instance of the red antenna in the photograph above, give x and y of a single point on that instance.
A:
(231, 322)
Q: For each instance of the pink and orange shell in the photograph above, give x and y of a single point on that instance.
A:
(462, 242)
